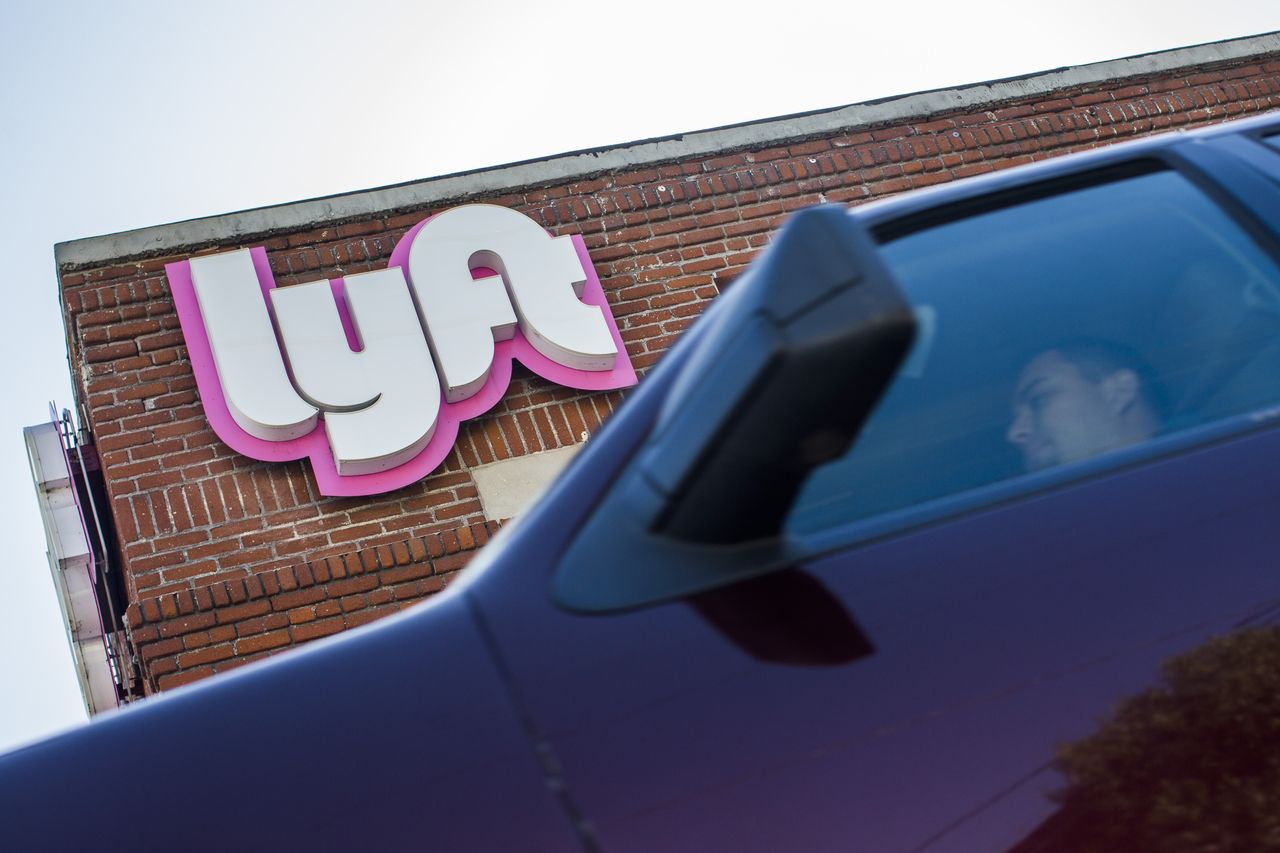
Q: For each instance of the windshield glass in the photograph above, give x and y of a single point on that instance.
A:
(1058, 332)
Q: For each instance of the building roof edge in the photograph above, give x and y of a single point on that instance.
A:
(193, 233)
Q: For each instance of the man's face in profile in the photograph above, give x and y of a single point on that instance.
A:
(1060, 415)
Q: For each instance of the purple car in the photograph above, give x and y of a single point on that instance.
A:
(952, 526)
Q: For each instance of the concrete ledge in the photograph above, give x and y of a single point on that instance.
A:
(563, 168)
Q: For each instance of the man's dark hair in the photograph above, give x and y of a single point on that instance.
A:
(1096, 359)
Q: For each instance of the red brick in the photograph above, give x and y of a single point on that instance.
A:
(355, 620)
(160, 649)
(302, 571)
(452, 562)
(362, 583)
(400, 553)
(288, 581)
(351, 566)
(261, 642)
(301, 615)
(186, 624)
(195, 640)
(297, 598)
(385, 559)
(160, 666)
(328, 608)
(404, 573)
(186, 676)
(110, 352)
(209, 654)
(320, 571)
(228, 615)
(320, 628)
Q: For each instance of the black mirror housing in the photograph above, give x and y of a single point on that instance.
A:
(815, 333)
(778, 378)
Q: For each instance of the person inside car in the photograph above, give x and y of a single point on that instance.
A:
(1079, 399)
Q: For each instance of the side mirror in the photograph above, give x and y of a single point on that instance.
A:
(781, 384)
(779, 379)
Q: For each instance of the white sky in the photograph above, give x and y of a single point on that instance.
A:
(128, 114)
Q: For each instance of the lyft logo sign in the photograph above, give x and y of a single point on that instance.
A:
(369, 376)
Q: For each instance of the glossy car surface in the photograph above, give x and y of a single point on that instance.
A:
(942, 636)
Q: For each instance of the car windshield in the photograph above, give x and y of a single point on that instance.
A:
(1067, 329)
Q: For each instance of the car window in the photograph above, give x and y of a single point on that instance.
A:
(1060, 334)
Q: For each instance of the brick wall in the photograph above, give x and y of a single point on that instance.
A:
(197, 631)
(228, 559)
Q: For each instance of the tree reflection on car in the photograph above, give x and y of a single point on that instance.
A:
(1189, 764)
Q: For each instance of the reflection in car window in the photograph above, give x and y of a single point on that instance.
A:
(1059, 330)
